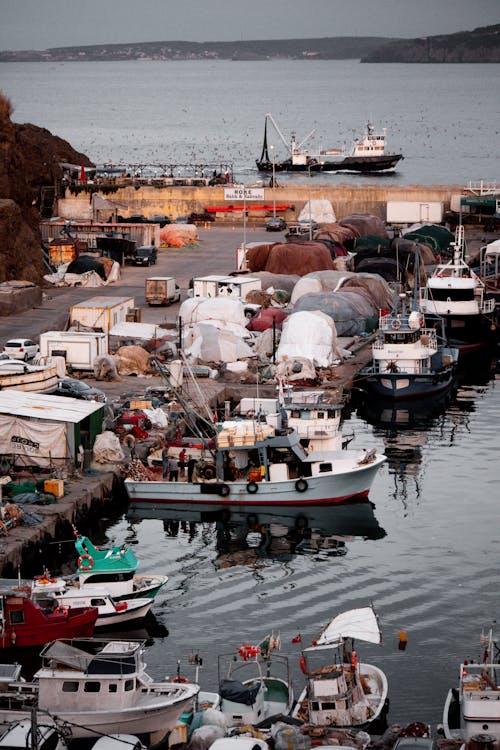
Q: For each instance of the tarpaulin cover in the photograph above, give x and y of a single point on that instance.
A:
(277, 280)
(298, 368)
(132, 360)
(38, 442)
(318, 210)
(371, 242)
(365, 224)
(197, 309)
(408, 246)
(291, 258)
(310, 335)
(178, 235)
(85, 263)
(210, 344)
(107, 448)
(235, 691)
(441, 236)
(337, 233)
(377, 289)
(264, 319)
(351, 310)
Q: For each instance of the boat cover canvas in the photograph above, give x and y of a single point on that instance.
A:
(290, 258)
(360, 624)
(233, 690)
(351, 310)
(309, 335)
(34, 442)
(365, 224)
(318, 210)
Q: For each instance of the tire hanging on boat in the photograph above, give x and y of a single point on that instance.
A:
(301, 485)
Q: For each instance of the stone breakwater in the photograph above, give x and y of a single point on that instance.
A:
(176, 200)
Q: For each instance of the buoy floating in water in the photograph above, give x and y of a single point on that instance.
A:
(403, 640)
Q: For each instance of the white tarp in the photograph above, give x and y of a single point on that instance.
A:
(209, 344)
(107, 448)
(39, 442)
(197, 309)
(321, 211)
(309, 335)
(361, 624)
(87, 279)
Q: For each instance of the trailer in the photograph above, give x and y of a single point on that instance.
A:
(162, 290)
(225, 286)
(79, 348)
(101, 313)
(411, 212)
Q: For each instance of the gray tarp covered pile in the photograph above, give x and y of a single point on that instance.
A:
(365, 224)
(377, 289)
(352, 310)
(290, 258)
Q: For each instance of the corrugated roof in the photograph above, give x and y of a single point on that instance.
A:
(45, 406)
(103, 302)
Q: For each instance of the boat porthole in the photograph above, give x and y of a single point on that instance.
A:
(252, 488)
(301, 485)
(224, 490)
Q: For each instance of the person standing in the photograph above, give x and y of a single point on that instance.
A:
(164, 462)
(173, 469)
(191, 463)
(182, 462)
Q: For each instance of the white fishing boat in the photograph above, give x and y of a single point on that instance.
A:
(456, 294)
(97, 687)
(340, 690)
(49, 592)
(473, 707)
(254, 683)
(20, 376)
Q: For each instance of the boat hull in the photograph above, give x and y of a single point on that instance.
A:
(354, 481)
(362, 164)
(113, 619)
(403, 385)
(79, 623)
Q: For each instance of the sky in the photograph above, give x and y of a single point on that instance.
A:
(40, 24)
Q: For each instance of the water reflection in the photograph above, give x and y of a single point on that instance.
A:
(244, 536)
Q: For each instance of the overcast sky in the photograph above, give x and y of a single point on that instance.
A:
(39, 24)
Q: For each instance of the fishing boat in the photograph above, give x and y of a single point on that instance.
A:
(473, 708)
(20, 376)
(112, 569)
(456, 294)
(409, 359)
(341, 691)
(254, 683)
(48, 593)
(25, 624)
(367, 154)
(96, 687)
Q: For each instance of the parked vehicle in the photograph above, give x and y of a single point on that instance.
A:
(275, 224)
(21, 348)
(162, 290)
(78, 389)
(145, 256)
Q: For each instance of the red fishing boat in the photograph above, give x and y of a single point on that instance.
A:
(24, 623)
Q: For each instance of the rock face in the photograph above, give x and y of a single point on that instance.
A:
(29, 161)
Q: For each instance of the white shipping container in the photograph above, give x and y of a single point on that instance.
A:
(101, 312)
(411, 212)
(225, 286)
(80, 348)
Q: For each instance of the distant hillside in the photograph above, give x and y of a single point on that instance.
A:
(481, 45)
(327, 48)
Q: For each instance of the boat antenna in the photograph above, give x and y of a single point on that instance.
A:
(265, 153)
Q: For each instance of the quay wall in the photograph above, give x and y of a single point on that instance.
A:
(177, 200)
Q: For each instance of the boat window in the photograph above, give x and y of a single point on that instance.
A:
(325, 467)
(295, 413)
(16, 616)
(113, 687)
(320, 415)
(92, 687)
(129, 685)
(106, 577)
(50, 742)
(97, 602)
(455, 295)
(70, 686)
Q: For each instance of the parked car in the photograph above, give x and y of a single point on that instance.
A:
(145, 256)
(21, 348)
(78, 389)
(275, 224)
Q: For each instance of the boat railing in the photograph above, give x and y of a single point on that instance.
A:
(314, 430)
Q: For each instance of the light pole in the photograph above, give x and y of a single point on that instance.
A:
(274, 182)
(310, 208)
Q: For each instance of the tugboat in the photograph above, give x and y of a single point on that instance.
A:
(368, 154)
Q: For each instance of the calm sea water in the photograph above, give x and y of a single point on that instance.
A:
(443, 118)
(426, 548)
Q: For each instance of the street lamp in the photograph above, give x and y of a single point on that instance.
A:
(310, 208)
(274, 181)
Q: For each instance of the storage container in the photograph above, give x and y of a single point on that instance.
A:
(54, 487)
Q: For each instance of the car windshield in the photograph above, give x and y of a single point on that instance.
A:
(76, 385)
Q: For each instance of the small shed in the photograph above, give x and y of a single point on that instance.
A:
(43, 430)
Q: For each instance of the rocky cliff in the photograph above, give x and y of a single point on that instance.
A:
(29, 161)
(482, 45)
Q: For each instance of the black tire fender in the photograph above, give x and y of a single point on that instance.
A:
(224, 490)
(301, 485)
(252, 488)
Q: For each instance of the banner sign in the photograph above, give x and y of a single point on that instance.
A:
(243, 193)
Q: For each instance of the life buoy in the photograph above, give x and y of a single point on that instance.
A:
(224, 490)
(209, 472)
(302, 664)
(180, 679)
(252, 488)
(86, 562)
(396, 324)
(301, 485)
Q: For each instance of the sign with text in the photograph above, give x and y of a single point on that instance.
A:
(243, 194)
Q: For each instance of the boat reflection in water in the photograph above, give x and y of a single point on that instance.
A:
(243, 535)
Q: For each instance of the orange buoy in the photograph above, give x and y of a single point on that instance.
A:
(403, 640)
